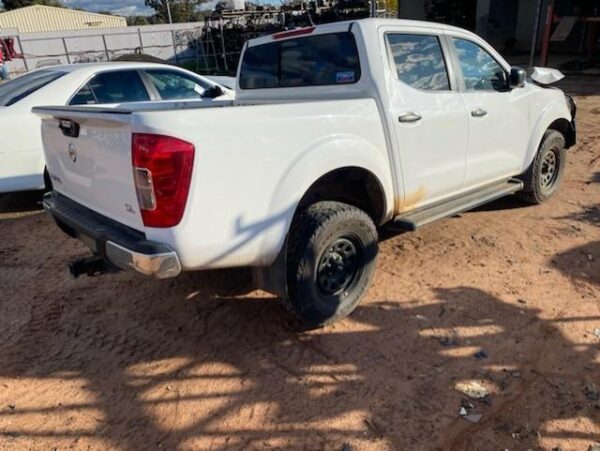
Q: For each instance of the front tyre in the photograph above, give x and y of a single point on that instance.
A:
(332, 252)
(545, 175)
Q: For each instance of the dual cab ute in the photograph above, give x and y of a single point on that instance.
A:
(335, 131)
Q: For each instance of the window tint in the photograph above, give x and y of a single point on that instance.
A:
(84, 96)
(328, 59)
(173, 85)
(118, 87)
(480, 70)
(419, 61)
(14, 90)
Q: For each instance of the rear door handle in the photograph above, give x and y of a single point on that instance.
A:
(478, 113)
(410, 117)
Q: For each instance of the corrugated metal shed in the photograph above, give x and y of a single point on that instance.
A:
(36, 18)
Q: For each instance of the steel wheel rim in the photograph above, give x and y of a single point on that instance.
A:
(339, 266)
(549, 171)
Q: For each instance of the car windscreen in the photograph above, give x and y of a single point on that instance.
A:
(14, 90)
(325, 59)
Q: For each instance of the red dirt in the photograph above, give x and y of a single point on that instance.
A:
(125, 362)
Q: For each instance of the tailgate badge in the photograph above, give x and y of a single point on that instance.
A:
(73, 152)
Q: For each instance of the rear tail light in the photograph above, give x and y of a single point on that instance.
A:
(162, 170)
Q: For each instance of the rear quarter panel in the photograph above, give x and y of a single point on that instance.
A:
(252, 166)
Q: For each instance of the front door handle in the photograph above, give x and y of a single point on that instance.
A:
(478, 112)
(410, 117)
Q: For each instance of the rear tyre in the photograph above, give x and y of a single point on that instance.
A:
(332, 252)
(545, 174)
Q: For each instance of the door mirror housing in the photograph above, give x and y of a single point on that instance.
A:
(517, 77)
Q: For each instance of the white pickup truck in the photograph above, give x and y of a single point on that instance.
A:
(336, 130)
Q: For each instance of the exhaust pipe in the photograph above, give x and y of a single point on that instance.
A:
(92, 266)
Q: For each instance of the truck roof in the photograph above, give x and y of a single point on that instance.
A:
(370, 24)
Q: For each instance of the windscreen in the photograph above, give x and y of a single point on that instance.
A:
(326, 59)
(14, 90)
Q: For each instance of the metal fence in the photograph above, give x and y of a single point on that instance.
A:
(211, 47)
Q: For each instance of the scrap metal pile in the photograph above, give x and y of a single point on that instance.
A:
(221, 40)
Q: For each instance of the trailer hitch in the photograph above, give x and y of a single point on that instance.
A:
(91, 266)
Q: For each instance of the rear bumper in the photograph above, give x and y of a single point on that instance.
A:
(124, 247)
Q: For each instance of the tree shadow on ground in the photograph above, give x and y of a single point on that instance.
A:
(172, 365)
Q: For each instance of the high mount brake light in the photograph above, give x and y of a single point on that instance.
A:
(162, 170)
(291, 33)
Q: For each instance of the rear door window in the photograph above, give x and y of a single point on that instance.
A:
(327, 59)
(419, 61)
(112, 87)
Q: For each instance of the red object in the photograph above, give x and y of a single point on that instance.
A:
(546, 36)
(10, 47)
(162, 173)
(296, 32)
(7, 49)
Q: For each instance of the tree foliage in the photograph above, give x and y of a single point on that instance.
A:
(181, 10)
(15, 4)
(137, 20)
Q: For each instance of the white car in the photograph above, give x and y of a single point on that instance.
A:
(22, 161)
(335, 130)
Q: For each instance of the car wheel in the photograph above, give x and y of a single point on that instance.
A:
(332, 251)
(545, 175)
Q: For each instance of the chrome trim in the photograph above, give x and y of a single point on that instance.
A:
(162, 266)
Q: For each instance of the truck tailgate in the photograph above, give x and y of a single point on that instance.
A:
(88, 156)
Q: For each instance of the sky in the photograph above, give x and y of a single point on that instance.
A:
(119, 7)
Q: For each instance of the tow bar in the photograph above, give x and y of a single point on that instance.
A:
(92, 266)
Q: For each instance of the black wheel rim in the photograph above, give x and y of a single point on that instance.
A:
(339, 266)
(549, 171)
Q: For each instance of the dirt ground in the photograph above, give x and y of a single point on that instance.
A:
(124, 362)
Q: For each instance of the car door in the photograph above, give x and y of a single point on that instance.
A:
(430, 118)
(498, 116)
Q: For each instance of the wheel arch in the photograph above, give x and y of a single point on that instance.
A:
(353, 185)
(309, 179)
(565, 127)
(557, 114)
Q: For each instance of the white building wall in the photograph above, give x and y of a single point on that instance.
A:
(168, 42)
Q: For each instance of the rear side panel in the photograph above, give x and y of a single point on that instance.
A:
(252, 166)
(94, 168)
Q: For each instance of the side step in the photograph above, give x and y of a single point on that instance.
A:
(412, 220)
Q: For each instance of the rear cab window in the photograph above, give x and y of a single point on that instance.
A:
(320, 60)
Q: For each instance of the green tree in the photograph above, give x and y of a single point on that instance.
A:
(15, 4)
(181, 10)
(137, 20)
(391, 6)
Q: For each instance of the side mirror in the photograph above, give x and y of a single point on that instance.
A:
(517, 77)
(212, 93)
